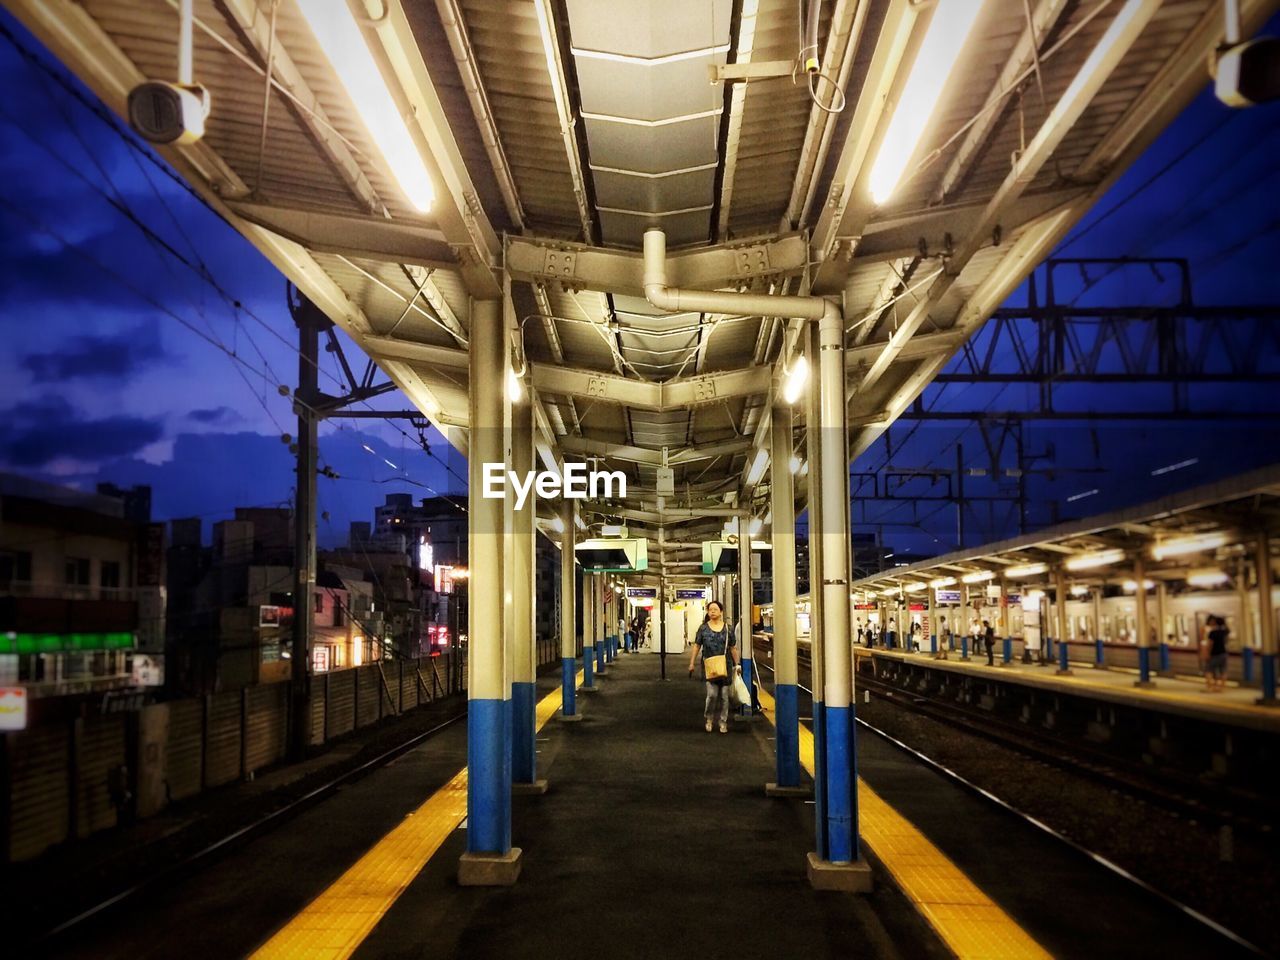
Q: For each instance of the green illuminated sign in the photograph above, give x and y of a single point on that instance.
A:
(64, 642)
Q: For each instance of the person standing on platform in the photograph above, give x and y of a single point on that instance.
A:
(715, 643)
(989, 641)
(943, 636)
(1216, 675)
(861, 638)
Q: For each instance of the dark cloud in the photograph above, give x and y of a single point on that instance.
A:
(215, 415)
(38, 432)
(115, 356)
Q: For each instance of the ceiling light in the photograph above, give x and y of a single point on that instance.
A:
(1181, 546)
(1079, 590)
(796, 464)
(1098, 558)
(557, 525)
(1207, 577)
(344, 43)
(942, 582)
(978, 576)
(1131, 586)
(915, 587)
(1027, 570)
(757, 467)
(755, 526)
(797, 376)
(945, 37)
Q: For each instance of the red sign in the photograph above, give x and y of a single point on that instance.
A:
(916, 607)
(865, 606)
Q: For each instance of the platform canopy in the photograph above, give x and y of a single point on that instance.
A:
(545, 136)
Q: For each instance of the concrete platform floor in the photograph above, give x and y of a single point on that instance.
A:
(655, 840)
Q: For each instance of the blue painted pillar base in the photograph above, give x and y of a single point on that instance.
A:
(786, 738)
(1144, 668)
(588, 668)
(841, 802)
(1165, 669)
(1246, 665)
(1006, 654)
(1064, 664)
(1099, 655)
(488, 777)
(599, 650)
(1268, 697)
(951, 641)
(569, 688)
(524, 702)
(820, 778)
(933, 643)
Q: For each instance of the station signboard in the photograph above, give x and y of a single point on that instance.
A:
(946, 596)
(650, 592)
(864, 606)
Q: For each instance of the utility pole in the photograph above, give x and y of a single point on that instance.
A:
(306, 400)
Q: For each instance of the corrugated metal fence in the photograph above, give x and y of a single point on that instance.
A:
(69, 780)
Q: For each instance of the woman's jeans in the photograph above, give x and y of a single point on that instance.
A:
(717, 692)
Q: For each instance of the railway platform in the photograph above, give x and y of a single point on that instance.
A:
(652, 833)
(1183, 695)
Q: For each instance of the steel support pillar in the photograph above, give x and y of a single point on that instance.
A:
(1141, 624)
(490, 860)
(1162, 636)
(589, 605)
(1266, 620)
(601, 622)
(568, 613)
(785, 690)
(524, 682)
(814, 453)
(1060, 597)
(744, 609)
(842, 866)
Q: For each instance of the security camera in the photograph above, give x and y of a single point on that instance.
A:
(168, 113)
(1248, 73)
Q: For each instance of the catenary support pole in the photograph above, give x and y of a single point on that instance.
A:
(843, 867)
(524, 686)
(490, 859)
(568, 612)
(785, 690)
(1141, 623)
(309, 321)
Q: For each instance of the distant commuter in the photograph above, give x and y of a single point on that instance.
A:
(715, 644)
(989, 640)
(1215, 676)
(943, 636)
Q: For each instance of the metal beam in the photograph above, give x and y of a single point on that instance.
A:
(393, 348)
(580, 267)
(581, 446)
(646, 395)
(364, 237)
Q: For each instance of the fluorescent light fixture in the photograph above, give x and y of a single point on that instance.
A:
(891, 592)
(1180, 546)
(1032, 597)
(946, 35)
(1206, 577)
(1079, 590)
(915, 587)
(1181, 464)
(757, 467)
(797, 377)
(649, 61)
(557, 525)
(942, 583)
(1026, 570)
(978, 576)
(515, 390)
(343, 42)
(1131, 586)
(888, 556)
(755, 526)
(1098, 558)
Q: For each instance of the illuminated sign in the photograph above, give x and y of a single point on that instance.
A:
(64, 642)
(426, 557)
(643, 592)
(947, 596)
(691, 594)
(13, 708)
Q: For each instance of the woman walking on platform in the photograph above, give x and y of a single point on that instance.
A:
(714, 641)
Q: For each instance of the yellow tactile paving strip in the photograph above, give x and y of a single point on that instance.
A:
(336, 922)
(967, 920)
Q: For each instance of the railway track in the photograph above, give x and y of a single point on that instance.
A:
(1168, 790)
(1013, 811)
